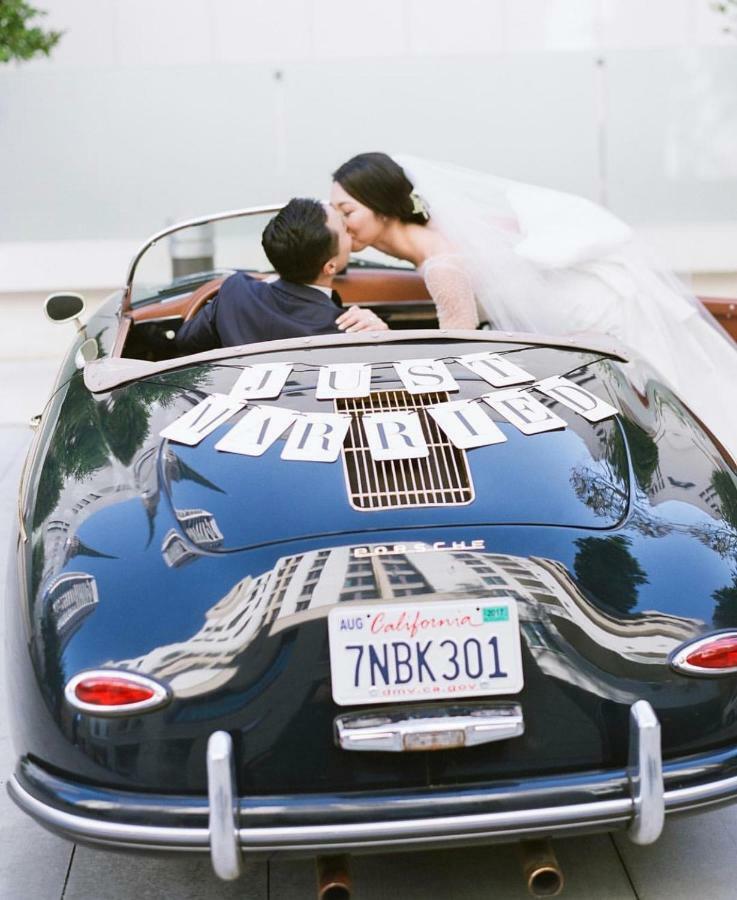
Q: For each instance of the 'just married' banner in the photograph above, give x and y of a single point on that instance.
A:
(319, 436)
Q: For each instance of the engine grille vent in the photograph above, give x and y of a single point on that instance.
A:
(440, 479)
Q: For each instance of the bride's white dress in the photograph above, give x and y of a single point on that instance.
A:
(553, 263)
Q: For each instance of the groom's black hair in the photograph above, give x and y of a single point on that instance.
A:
(377, 181)
(298, 240)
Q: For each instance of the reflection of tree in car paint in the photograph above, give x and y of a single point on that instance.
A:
(725, 611)
(93, 432)
(609, 572)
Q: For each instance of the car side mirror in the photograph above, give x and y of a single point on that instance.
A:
(64, 308)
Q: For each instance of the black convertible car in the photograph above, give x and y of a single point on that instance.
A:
(492, 597)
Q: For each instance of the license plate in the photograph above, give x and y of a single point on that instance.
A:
(397, 652)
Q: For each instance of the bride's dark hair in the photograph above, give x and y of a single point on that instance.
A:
(378, 182)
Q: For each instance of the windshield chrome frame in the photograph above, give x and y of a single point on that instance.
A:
(179, 226)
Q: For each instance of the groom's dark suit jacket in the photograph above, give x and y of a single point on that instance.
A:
(246, 310)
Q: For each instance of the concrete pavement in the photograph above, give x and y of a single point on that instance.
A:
(693, 858)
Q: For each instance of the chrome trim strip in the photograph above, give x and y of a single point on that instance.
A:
(646, 774)
(110, 372)
(223, 822)
(115, 833)
(399, 732)
(598, 814)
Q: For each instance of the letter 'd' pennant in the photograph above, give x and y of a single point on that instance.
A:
(524, 412)
(576, 398)
(466, 424)
(395, 435)
(317, 437)
(204, 418)
(257, 430)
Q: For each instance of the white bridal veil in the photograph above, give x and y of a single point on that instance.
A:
(549, 262)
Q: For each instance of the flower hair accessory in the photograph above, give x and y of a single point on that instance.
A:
(419, 206)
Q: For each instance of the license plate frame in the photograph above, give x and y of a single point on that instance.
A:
(474, 650)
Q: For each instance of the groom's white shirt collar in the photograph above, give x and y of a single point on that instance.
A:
(321, 287)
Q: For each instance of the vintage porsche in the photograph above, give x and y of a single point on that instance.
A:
(355, 593)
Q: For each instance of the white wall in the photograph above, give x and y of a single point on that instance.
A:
(152, 110)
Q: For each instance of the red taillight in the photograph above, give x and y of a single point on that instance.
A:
(107, 692)
(111, 692)
(715, 655)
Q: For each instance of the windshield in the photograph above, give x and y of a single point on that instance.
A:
(194, 252)
(182, 257)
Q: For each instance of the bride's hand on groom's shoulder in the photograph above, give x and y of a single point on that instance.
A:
(357, 319)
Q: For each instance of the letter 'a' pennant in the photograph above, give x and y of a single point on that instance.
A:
(257, 430)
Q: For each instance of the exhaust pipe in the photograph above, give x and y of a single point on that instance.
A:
(333, 878)
(540, 868)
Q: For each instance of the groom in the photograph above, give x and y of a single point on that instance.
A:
(307, 244)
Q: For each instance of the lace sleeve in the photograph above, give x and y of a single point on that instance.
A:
(451, 290)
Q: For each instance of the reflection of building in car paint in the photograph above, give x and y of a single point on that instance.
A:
(176, 551)
(304, 587)
(69, 599)
(200, 527)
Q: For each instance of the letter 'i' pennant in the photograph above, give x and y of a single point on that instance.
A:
(466, 424)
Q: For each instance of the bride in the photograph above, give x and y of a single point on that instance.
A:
(527, 258)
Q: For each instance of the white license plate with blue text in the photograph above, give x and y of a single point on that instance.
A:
(396, 652)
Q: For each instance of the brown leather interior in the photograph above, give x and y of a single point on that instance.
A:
(366, 286)
(724, 311)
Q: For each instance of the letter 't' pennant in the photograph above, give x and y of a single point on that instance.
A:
(576, 398)
(495, 368)
(395, 435)
(466, 424)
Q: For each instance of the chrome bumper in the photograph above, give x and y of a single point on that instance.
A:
(642, 813)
